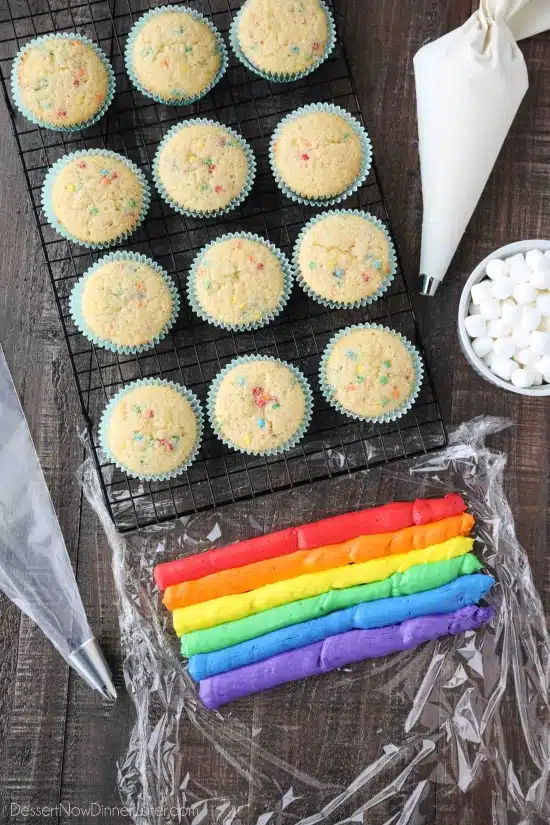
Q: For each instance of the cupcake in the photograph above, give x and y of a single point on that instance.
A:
(345, 258)
(95, 197)
(370, 372)
(175, 55)
(124, 302)
(283, 40)
(202, 168)
(319, 154)
(62, 81)
(239, 282)
(152, 429)
(260, 405)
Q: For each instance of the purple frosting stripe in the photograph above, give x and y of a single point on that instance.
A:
(337, 651)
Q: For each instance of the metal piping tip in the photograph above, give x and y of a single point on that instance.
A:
(429, 285)
(89, 662)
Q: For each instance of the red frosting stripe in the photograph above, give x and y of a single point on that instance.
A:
(385, 519)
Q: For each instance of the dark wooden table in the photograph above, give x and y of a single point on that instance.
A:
(58, 741)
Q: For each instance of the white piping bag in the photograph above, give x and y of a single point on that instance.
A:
(469, 85)
(35, 570)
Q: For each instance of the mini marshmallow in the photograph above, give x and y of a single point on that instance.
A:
(524, 293)
(504, 348)
(533, 257)
(482, 346)
(497, 269)
(511, 314)
(520, 272)
(523, 378)
(490, 309)
(540, 342)
(543, 303)
(537, 378)
(526, 357)
(475, 326)
(543, 366)
(483, 291)
(473, 309)
(497, 328)
(521, 337)
(503, 288)
(530, 317)
(544, 325)
(503, 367)
(540, 277)
(489, 358)
(515, 258)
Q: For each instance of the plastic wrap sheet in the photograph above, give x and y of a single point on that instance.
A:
(456, 731)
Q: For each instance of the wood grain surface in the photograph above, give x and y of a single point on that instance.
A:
(58, 741)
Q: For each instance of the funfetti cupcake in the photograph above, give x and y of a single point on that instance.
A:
(203, 169)
(283, 40)
(95, 197)
(125, 302)
(175, 55)
(152, 429)
(239, 281)
(344, 258)
(320, 154)
(62, 81)
(259, 405)
(371, 372)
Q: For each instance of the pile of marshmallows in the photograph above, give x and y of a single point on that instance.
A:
(509, 318)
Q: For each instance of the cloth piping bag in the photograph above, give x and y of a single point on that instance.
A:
(469, 85)
(35, 570)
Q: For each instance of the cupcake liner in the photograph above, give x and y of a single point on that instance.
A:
(396, 413)
(214, 213)
(174, 101)
(270, 315)
(291, 442)
(47, 205)
(281, 77)
(158, 382)
(53, 126)
(75, 301)
(357, 128)
(338, 304)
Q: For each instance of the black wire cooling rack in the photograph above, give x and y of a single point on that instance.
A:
(195, 351)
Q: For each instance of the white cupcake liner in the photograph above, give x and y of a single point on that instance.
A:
(369, 299)
(397, 412)
(214, 213)
(294, 439)
(158, 382)
(281, 77)
(366, 154)
(128, 55)
(265, 319)
(47, 204)
(75, 301)
(14, 81)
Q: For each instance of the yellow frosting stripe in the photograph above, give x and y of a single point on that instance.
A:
(230, 608)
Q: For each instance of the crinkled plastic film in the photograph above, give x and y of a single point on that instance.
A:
(457, 731)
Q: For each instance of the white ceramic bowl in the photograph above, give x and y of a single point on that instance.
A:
(477, 275)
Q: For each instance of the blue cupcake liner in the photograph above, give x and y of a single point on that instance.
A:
(128, 60)
(281, 77)
(244, 359)
(214, 213)
(336, 304)
(14, 81)
(75, 302)
(47, 204)
(157, 382)
(405, 405)
(271, 314)
(354, 124)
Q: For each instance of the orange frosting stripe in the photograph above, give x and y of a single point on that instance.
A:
(363, 548)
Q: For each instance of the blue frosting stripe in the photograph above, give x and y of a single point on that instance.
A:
(466, 590)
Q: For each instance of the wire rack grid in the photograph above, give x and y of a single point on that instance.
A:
(194, 352)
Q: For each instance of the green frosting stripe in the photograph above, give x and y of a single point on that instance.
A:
(414, 580)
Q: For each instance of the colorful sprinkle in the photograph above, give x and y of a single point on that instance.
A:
(61, 113)
(352, 354)
(351, 388)
(378, 264)
(305, 156)
(384, 401)
(316, 46)
(261, 423)
(346, 137)
(395, 393)
(313, 264)
(132, 203)
(294, 49)
(138, 437)
(103, 171)
(137, 409)
(188, 49)
(259, 266)
(365, 277)
(218, 189)
(71, 187)
(241, 381)
(384, 379)
(94, 210)
(338, 273)
(204, 187)
(164, 62)
(207, 161)
(386, 364)
(261, 397)
(360, 379)
(81, 164)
